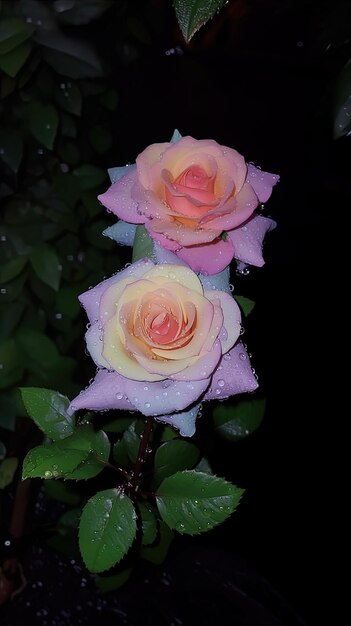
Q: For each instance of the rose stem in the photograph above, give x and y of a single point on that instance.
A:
(149, 424)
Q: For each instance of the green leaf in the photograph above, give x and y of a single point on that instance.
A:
(43, 123)
(89, 176)
(107, 529)
(342, 106)
(128, 446)
(12, 268)
(11, 148)
(156, 554)
(174, 456)
(83, 12)
(112, 583)
(12, 62)
(237, 421)
(52, 461)
(69, 98)
(48, 409)
(203, 466)
(2, 450)
(120, 453)
(149, 524)
(245, 304)
(169, 433)
(7, 471)
(143, 244)
(67, 302)
(46, 265)
(58, 490)
(11, 363)
(192, 14)
(13, 31)
(119, 425)
(99, 452)
(12, 289)
(192, 502)
(70, 57)
(39, 352)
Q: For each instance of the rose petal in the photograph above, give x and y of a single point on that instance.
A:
(184, 422)
(118, 198)
(248, 239)
(105, 392)
(91, 299)
(203, 367)
(262, 182)
(209, 258)
(231, 318)
(115, 173)
(169, 244)
(233, 375)
(165, 256)
(183, 235)
(122, 232)
(242, 206)
(166, 396)
(95, 345)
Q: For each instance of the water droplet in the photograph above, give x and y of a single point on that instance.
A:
(58, 316)
(180, 527)
(242, 356)
(119, 395)
(48, 474)
(3, 238)
(147, 405)
(221, 383)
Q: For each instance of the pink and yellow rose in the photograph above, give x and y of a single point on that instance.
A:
(197, 199)
(162, 342)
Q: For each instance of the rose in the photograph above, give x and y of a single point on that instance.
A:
(197, 199)
(159, 338)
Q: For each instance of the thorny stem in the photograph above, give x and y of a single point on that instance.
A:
(149, 424)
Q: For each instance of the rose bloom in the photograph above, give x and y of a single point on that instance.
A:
(197, 199)
(161, 342)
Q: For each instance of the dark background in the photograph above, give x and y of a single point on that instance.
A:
(259, 78)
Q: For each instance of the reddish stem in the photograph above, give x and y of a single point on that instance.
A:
(149, 424)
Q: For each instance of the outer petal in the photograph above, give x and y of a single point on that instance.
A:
(185, 236)
(167, 396)
(91, 299)
(185, 422)
(94, 345)
(203, 367)
(105, 392)
(262, 182)
(248, 239)
(209, 258)
(233, 375)
(232, 319)
(122, 232)
(115, 173)
(118, 198)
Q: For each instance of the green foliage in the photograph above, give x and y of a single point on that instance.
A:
(107, 529)
(7, 471)
(192, 14)
(173, 456)
(143, 245)
(149, 524)
(237, 421)
(48, 409)
(157, 553)
(245, 304)
(192, 502)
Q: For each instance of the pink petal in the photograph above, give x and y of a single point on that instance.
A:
(91, 299)
(166, 396)
(233, 375)
(203, 367)
(262, 182)
(209, 258)
(169, 244)
(107, 391)
(241, 207)
(247, 239)
(118, 199)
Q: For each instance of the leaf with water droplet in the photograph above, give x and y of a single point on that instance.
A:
(48, 409)
(173, 456)
(237, 421)
(43, 122)
(107, 529)
(192, 502)
(245, 304)
(149, 524)
(143, 244)
(46, 265)
(99, 451)
(40, 460)
(192, 14)
(157, 553)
